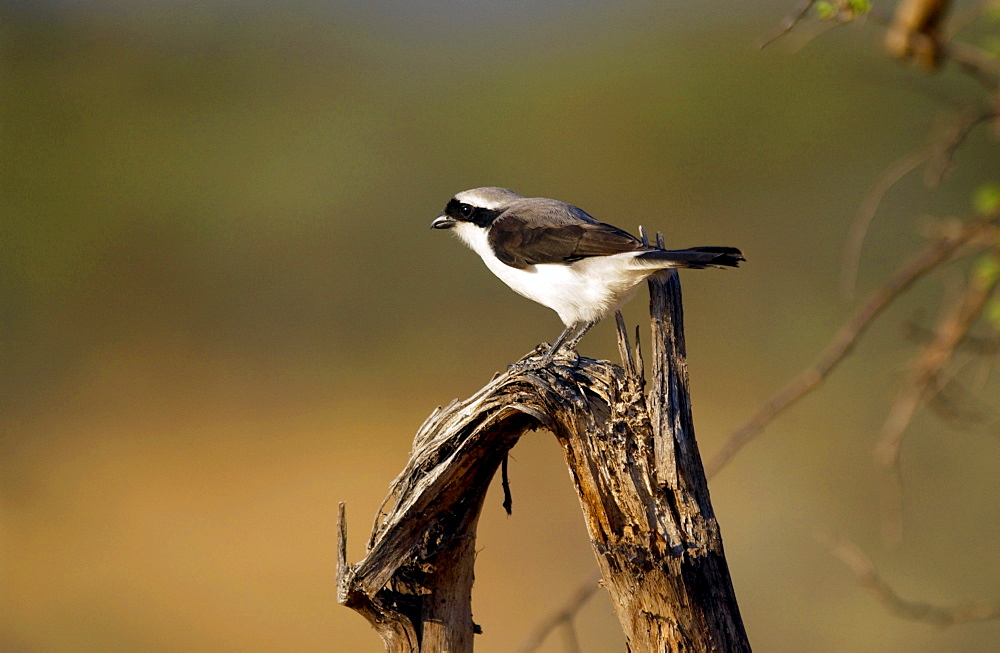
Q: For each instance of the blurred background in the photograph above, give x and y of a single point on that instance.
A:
(223, 310)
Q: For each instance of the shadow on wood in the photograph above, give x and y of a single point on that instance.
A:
(636, 468)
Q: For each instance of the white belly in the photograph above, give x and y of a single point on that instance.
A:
(583, 291)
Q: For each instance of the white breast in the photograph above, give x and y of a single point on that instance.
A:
(579, 292)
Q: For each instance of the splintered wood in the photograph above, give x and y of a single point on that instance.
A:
(634, 462)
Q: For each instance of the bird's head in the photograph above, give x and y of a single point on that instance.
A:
(479, 206)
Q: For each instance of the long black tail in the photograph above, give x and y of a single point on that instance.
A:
(695, 257)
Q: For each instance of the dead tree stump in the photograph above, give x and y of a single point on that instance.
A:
(636, 468)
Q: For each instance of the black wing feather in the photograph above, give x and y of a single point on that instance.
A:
(567, 234)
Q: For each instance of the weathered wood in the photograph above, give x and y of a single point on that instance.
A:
(638, 476)
(676, 594)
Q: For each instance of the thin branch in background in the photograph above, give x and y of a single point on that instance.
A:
(866, 213)
(986, 365)
(976, 345)
(787, 23)
(936, 253)
(962, 17)
(922, 380)
(942, 159)
(563, 617)
(819, 29)
(572, 641)
(955, 401)
(868, 577)
(939, 156)
(976, 62)
(955, 404)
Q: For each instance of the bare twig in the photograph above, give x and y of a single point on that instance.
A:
(939, 156)
(942, 158)
(935, 254)
(962, 17)
(920, 383)
(867, 575)
(954, 403)
(564, 615)
(866, 213)
(978, 345)
(787, 23)
(976, 62)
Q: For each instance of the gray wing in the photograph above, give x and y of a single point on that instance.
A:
(555, 233)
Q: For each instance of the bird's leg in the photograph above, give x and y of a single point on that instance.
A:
(581, 328)
(568, 339)
(538, 363)
(551, 353)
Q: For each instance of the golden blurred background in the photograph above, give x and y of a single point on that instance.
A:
(223, 310)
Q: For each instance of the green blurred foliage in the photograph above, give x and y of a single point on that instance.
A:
(992, 313)
(842, 10)
(987, 198)
(986, 269)
(222, 308)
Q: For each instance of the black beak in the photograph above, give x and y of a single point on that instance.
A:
(443, 222)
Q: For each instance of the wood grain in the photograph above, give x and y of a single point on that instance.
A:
(635, 465)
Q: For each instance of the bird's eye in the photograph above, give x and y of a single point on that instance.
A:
(465, 210)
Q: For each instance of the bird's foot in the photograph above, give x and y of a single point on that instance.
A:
(529, 363)
(522, 366)
(541, 357)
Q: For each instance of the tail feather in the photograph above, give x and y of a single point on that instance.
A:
(695, 257)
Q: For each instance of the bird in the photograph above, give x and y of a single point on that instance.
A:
(560, 256)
